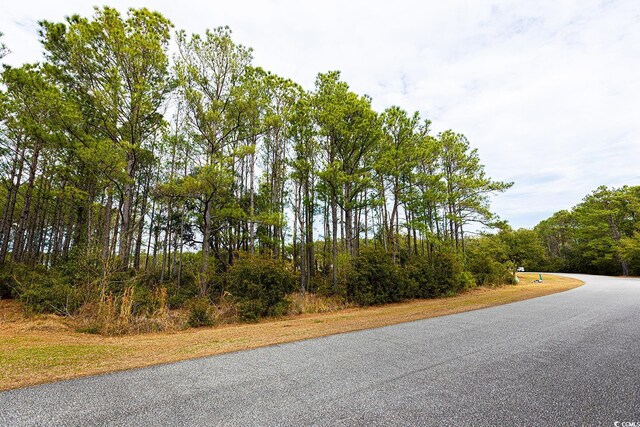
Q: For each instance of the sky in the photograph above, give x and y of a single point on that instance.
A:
(547, 91)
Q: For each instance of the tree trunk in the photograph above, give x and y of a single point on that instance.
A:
(11, 203)
(334, 259)
(26, 207)
(125, 220)
(106, 226)
(204, 266)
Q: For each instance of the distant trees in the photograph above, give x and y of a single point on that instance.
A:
(494, 258)
(600, 235)
(117, 159)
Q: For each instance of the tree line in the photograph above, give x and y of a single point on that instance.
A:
(600, 235)
(117, 157)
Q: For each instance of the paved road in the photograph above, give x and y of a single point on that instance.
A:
(566, 359)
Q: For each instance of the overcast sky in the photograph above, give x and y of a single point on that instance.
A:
(548, 91)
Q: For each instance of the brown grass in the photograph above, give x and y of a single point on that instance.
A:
(46, 348)
(308, 303)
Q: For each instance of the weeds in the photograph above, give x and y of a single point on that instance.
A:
(308, 303)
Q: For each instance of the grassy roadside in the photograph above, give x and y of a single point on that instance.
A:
(44, 349)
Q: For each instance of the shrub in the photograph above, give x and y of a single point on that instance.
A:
(422, 275)
(259, 286)
(488, 271)
(250, 310)
(375, 279)
(441, 274)
(448, 272)
(51, 297)
(7, 285)
(200, 312)
(178, 296)
(40, 290)
(488, 258)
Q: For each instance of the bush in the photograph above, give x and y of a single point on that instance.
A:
(440, 275)
(422, 275)
(14, 278)
(200, 312)
(178, 296)
(448, 272)
(7, 285)
(489, 258)
(259, 285)
(49, 294)
(467, 281)
(40, 290)
(488, 271)
(375, 279)
(250, 310)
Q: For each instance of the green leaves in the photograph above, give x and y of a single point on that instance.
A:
(210, 74)
(114, 68)
(599, 235)
(467, 186)
(250, 162)
(351, 130)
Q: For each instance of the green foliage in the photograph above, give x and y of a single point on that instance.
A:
(448, 272)
(629, 251)
(376, 279)
(467, 281)
(439, 275)
(4, 51)
(524, 248)
(179, 295)
(598, 236)
(116, 205)
(488, 259)
(200, 312)
(259, 286)
(42, 291)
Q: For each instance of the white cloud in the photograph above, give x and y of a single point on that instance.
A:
(548, 91)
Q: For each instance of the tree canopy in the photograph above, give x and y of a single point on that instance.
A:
(118, 157)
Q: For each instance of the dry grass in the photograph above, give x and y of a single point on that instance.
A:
(113, 315)
(306, 303)
(46, 348)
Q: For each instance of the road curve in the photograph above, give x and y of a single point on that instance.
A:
(565, 359)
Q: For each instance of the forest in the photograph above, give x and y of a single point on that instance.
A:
(145, 169)
(600, 235)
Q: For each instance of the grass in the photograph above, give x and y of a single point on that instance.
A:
(47, 348)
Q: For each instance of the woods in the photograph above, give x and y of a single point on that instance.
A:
(200, 173)
(600, 235)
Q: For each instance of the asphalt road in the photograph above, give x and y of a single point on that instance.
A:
(567, 359)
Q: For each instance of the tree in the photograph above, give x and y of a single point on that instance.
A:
(599, 235)
(115, 69)
(467, 186)
(111, 158)
(350, 131)
(397, 160)
(304, 174)
(603, 218)
(210, 73)
(282, 95)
